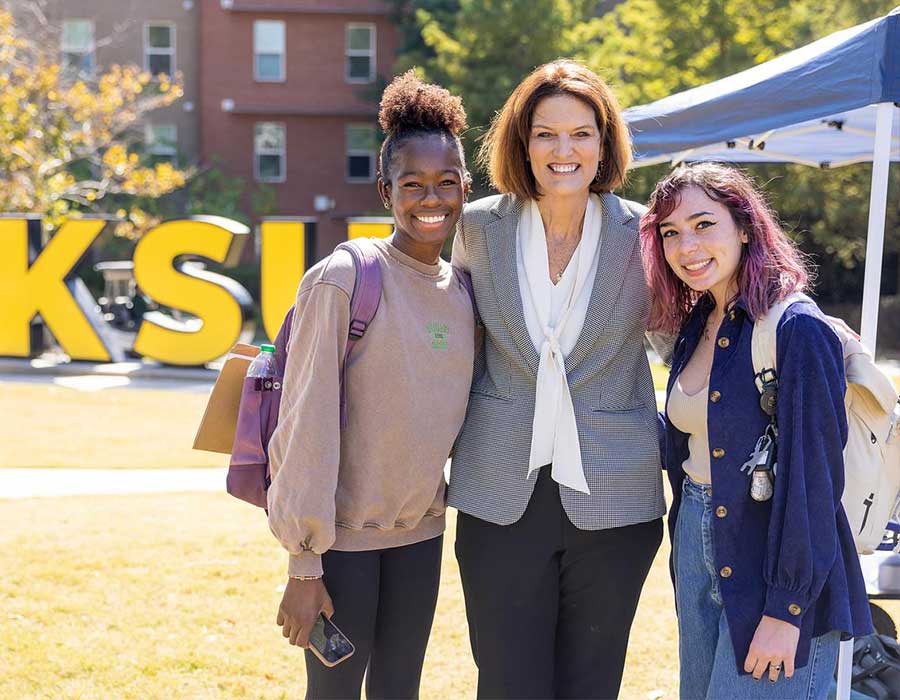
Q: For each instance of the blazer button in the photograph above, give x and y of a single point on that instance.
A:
(718, 452)
(794, 609)
(725, 572)
(721, 512)
(724, 342)
(714, 396)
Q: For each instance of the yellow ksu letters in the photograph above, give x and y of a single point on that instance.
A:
(282, 264)
(214, 299)
(41, 289)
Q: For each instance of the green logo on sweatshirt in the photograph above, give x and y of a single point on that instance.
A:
(438, 333)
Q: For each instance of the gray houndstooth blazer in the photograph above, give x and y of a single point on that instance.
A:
(609, 378)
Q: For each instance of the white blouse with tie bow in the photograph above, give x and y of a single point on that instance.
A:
(554, 315)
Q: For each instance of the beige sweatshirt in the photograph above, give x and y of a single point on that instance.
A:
(380, 483)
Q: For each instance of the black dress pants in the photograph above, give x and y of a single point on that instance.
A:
(550, 606)
(384, 603)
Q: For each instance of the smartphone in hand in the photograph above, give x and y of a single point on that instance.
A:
(328, 643)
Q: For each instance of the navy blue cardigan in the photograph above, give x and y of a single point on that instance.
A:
(791, 557)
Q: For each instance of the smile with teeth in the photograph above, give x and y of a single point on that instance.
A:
(694, 267)
(436, 219)
(563, 168)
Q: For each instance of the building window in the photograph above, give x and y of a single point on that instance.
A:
(269, 154)
(361, 150)
(159, 48)
(78, 44)
(268, 51)
(360, 53)
(161, 142)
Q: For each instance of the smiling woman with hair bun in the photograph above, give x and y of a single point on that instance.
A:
(361, 509)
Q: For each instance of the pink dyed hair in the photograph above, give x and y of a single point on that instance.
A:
(770, 268)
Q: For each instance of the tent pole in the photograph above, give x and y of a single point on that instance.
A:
(881, 162)
(875, 237)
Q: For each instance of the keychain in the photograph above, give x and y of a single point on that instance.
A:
(762, 464)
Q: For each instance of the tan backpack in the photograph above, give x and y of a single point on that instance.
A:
(872, 453)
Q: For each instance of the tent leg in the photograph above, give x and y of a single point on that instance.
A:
(845, 670)
(881, 161)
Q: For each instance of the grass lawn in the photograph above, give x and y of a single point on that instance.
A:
(174, 597)
(54, 426)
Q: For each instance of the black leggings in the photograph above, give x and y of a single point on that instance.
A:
(384, 603)
(550, 606)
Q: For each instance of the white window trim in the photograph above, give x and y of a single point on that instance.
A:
(282, 66)
(371, 53)
(155, 51)
(358, 152)
(91, 51)
(156, 148)
(270, 152)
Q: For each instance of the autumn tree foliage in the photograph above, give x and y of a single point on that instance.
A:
(67, 138)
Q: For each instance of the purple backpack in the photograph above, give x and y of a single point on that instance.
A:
(248, 471)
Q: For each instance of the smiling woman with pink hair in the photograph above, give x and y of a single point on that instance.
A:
(767, 580)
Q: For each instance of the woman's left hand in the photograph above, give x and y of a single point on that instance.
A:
(774, 646)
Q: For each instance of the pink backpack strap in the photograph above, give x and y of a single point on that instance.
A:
(363, 303)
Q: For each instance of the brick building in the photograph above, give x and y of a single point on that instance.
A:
(288, 97)
(160, 36)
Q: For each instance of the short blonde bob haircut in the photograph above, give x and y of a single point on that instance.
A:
(504, 152)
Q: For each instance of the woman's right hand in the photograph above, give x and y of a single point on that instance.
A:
(301, 604)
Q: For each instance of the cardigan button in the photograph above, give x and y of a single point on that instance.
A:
(725, 572)
(794, 609)
(721, 512)
(724, 342)
(718, 452)
(715, 396)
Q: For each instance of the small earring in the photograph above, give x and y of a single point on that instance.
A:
(387, 205)
(597, 176)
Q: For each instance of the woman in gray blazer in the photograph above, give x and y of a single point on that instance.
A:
(556, 472)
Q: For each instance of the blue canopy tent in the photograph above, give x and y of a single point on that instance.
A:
(831, 103)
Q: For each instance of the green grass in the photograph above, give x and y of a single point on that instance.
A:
(174, 597)
(53, 426)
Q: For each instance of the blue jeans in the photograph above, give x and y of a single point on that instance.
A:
(708, 669)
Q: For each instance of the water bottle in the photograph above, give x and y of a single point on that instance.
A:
(264, 369)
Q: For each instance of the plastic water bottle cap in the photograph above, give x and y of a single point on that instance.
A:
(267, 348)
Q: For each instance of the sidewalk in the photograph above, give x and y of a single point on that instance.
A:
(42, 483)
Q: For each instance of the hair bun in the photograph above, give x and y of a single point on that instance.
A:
(408, 104)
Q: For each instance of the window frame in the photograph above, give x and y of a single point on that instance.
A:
(282, 63)
(348, 152)
(156, 51)
(158, 148)
(91, 51)
(371, 52)
(282, 152)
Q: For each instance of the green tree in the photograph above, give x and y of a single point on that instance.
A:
(481, 49)
(653, 48)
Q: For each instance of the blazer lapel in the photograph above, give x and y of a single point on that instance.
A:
(615, 250)
(500, 239)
